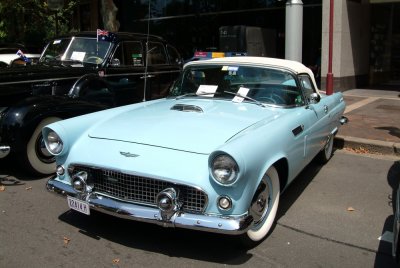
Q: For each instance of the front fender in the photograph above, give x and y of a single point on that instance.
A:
(19, 121)
(85, 81)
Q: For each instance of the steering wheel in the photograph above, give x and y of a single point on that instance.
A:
(94, 59)
(272, 98)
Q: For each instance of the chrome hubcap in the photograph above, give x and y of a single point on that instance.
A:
(260, 203)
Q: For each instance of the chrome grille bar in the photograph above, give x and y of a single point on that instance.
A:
(142, 190)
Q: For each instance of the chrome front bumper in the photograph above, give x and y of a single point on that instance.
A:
(4, 150)
(209, 223)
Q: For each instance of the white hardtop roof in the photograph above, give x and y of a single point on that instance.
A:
(293, 66)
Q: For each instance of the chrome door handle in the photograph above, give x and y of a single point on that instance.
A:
(326, 109)
(147, 76)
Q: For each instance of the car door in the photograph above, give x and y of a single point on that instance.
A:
(164, 66)
(318, 110)
(126, 72)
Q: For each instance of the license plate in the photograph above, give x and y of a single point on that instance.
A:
(78, 205)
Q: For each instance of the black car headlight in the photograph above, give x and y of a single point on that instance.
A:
(224, 169)
(54, 143)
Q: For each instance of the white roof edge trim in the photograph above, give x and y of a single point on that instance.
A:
(294, 66)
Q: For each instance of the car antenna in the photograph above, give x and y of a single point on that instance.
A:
(97, 47)
(147, 49)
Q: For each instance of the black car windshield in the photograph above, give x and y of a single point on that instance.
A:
(239, 83)
(76, 50)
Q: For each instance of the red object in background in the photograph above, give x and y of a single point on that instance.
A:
(329, 76)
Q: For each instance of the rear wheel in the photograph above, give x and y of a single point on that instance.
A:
(263, 208)
(37, 158)
(326, 153)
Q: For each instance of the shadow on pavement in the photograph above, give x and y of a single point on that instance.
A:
(385, 246)
(9, 170)
(297, 187)
(180, 243)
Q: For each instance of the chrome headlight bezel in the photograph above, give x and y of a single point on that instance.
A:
(224, 169)
(54, 143)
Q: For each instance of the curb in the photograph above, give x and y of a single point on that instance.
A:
(370, 146)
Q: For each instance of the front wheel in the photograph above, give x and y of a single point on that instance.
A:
(36, 158)
(263, 208)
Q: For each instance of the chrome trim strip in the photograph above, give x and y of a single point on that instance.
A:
(4, 151)
(73, 166)
(76, 77)
(40, 80)
(209, 223)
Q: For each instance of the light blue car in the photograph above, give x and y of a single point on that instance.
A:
(213, 156)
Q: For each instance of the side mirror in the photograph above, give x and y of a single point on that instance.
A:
(115, 62)
(314, 98)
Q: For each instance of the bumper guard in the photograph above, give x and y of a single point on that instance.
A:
(209, 223)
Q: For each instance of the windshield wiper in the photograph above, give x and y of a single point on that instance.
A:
(246, 97)
(72, 61)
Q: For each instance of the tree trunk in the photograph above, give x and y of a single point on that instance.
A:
(109, 15)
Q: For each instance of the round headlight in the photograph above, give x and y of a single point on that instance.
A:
(54, 143)
(224, 169)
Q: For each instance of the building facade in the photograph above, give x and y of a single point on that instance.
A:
(366, 33)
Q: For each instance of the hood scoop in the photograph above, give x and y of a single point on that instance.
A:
(187, 108)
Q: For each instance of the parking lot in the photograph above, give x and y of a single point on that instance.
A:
(337, 215)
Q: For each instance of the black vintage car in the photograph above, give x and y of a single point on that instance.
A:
(75, 75)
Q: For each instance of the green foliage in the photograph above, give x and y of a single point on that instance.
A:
(31, 21)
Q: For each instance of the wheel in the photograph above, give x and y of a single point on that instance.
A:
(263, 208)
(326, 153)
(396, 239)
(396, 227)
(37, 158)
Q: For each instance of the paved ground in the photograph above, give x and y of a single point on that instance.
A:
(336, 215)
(374, 121)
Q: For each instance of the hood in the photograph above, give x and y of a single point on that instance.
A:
(198, 126)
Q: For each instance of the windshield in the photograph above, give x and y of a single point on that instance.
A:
(76, 49)
(239, 83)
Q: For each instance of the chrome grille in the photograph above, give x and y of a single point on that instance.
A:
(142, 190)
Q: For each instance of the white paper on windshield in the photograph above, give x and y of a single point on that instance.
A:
(243, 92)
(206, 90)
(76, 55)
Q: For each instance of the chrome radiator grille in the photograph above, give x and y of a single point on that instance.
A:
(142, 190)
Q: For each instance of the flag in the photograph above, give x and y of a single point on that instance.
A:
(103, 35)
(22, 56)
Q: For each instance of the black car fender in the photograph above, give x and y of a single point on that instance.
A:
(90, 81)
(19, 121)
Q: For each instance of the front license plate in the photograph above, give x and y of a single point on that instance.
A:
(78, 205)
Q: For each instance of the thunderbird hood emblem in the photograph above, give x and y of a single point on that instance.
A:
(128, 154)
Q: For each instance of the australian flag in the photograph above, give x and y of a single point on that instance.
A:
(22, 56)
(103, 35)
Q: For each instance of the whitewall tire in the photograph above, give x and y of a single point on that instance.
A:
(38, 159)
(264, 207)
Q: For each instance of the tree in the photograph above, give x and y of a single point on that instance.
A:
(109, 13)
(31, 22)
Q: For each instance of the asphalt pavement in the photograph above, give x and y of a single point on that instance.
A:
(374, 122)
